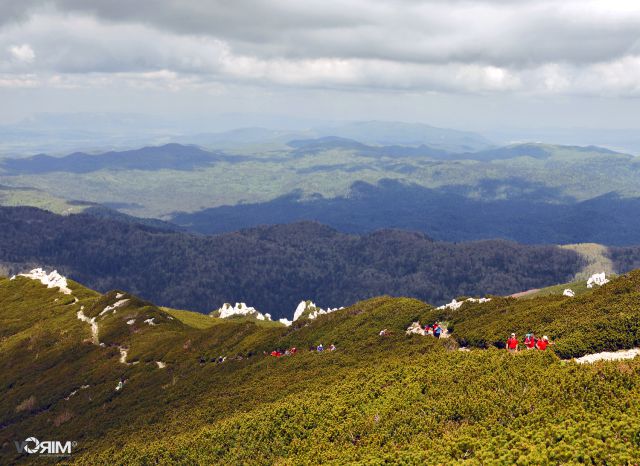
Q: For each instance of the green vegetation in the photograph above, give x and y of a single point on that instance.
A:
(399, 399)
(193, 319)
(12, 197)
(435, 408)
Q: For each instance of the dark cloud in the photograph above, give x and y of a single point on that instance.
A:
(493, 32)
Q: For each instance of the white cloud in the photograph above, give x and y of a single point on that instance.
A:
(16, 81)
(22, 53)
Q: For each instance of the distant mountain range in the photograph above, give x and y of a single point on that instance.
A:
(167, 157)
(365, 176)
(88, 132)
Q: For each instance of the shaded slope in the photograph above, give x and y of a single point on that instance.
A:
(536, 216)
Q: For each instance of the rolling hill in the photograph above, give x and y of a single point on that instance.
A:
(127, 382)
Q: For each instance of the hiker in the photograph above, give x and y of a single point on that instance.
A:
(512, 343)
(383, 333)
(437, 330)
(293, 350)
(530, 341)
(542, 343)
(320, 348)
(428, 329)
(202, 360)
(120, 385)
(332, 347)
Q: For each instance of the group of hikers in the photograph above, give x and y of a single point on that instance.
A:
(435, 330)
(290, 352)
(275, 353)
(530, 342)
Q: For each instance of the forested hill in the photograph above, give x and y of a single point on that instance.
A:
(272, 268)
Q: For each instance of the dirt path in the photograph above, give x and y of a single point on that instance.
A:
(94, 325)
(524, 293)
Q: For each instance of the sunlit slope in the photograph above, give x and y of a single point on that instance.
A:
(596, 257)
(398, 398)
(599, 319)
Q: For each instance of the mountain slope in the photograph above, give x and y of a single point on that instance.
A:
(603, 319)
(397, 398)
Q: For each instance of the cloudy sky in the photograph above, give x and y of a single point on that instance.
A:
(471, 64)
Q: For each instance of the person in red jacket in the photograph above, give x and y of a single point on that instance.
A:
(530, 341)
(542, 344)
(512, 343)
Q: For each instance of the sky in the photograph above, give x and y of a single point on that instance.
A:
(477, 64)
